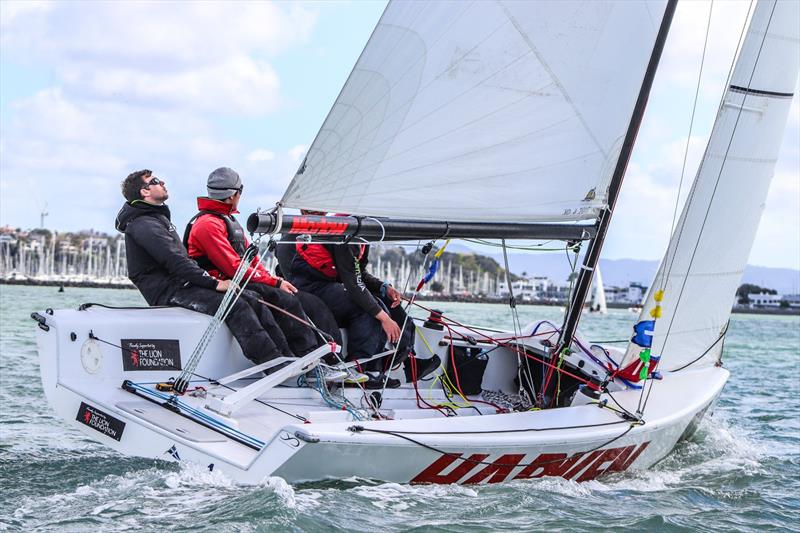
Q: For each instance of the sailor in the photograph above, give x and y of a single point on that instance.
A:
(367, 307)
(217, 242)
(165, 275)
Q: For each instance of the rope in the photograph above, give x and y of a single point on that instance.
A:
(506, 344)
(403, 435)
(224, 309)
(691, 128)
(714, 191)
(512, 303)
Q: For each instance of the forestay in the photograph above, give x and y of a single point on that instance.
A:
(712, 240)
(482, 111)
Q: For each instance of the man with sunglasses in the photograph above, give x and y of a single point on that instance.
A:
(216, 240)
(165, 275)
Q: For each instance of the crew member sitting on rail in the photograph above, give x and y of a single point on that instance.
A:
(165, 275)
(368, 308)
(216, 240)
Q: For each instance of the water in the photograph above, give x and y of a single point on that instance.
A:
(740, 472)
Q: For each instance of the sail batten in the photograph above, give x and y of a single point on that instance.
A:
(460, 105)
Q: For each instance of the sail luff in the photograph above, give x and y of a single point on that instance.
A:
(592, 257)
(711, 243)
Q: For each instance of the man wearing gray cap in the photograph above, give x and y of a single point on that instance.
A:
(216, 240)
(165, 275)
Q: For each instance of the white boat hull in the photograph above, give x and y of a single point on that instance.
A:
(418, 446)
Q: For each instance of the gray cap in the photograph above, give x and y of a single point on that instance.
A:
(223, 183)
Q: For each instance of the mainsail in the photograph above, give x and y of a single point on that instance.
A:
(708, 251)
(482, 111)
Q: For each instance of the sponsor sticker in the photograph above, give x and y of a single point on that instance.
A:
(150, 354)
(100, 421)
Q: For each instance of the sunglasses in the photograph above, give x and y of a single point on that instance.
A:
(154, 181)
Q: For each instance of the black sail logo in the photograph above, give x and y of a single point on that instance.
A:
(150, 354)
(100, 421)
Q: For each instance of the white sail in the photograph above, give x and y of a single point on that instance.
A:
(598, 304)
(712, 240)
(482, 111)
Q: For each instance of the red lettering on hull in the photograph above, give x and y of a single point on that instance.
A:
(581, 466)
(433, 474)
(499, 470)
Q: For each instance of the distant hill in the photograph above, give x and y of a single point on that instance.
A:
(620, 272)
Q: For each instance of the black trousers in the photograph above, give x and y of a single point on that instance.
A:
(365, 336)
(301, 338)
(250, 322)
(320, 315)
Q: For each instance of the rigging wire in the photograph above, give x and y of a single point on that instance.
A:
(666, 272)
(512, 303)
(691, 128)
(719, 176)
(405, 322)
(404, 435)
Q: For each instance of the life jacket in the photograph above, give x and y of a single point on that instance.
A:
(235, 236)
(320, 257)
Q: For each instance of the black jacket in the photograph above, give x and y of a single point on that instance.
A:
(158, 264)
(352, 272)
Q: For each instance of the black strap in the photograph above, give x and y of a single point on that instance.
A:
(203, 261)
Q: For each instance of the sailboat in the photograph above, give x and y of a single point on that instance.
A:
(598, 304)
(448, 105)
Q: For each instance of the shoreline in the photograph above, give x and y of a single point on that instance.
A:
(428, 298)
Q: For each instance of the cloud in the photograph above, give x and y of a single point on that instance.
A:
(202, 56)
(138, 85)
(260, 155)
(167, 34)
(297, 153)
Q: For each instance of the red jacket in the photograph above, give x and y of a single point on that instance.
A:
(209, 237)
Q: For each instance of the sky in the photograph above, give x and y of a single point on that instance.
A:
(90, 91)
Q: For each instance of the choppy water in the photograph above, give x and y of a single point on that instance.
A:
(740, 472)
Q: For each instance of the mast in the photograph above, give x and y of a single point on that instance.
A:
(592, 256)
